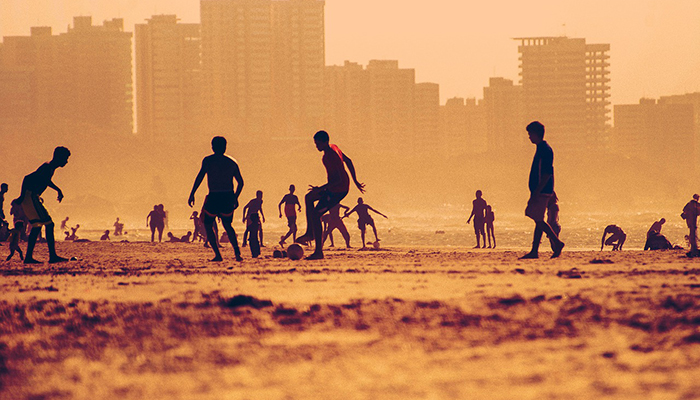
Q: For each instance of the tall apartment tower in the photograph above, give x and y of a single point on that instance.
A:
(346, 95)
(505, 123)
(263, 63)
(168, 79)
(566, 87)
(426, 110)
(94, 68)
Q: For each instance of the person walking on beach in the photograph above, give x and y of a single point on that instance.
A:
(222, 200)
(254, 206)
(320, 199)
(478, 213)
(690, 215)
(364, 219)
(33, 186)
(157, 222)
(334, 221)
(291, 202)
(15, 236)
(617, 237)
(541, 185)
(490, 218)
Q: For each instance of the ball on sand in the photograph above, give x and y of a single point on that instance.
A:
(295, 252)
(376, 245)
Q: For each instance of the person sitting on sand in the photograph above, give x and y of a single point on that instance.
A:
(364, 219)
(172, 238)
(656, 226)
(478, 213)
(33, 186)
(186, 238)
(15, 235)
(616, 240)
(105, 236)
(657, 241)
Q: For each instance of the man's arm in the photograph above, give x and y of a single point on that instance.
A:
(471, 215)
(351, 168)
(347, 213)
(197, 181)
(377, 212)
(262, 214)
(279, 206)
(57, 189)
(296, 200)
(602, 241)
(543, 181)
(239, 182)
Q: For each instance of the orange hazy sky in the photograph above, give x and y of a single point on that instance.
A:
(655, 44)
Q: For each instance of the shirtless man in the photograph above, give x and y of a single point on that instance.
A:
(479, 214)
(617, 237)
(33, 186)
(364, 219)
(320, 199)
(222, 200)
(334, 221)
(291, 202)
(690, 215)
(254, 206)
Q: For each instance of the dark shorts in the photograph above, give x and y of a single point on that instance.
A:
(361, 223)
(291, 221)
(537, 205)
(34, 209)
(328, 200)
(479, 225)
(219, 205)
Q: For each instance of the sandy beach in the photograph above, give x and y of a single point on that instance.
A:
(142, 320)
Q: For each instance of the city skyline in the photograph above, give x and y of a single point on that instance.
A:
(425, 37)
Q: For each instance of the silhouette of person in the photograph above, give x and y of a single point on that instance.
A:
(478, 212)
(33, 186)
(73, 233)
(291, 202)
(690, 215)
(186, 238)
(253, 239)
(320, 199)
(657, 241)
(15, 236)
(105, 235)
(172, 238)
(199, 233)
(64, 224)
(334, 221)
(222, 200)
(224, 238)
(364, 219)
(156, 221)
(17, 213)
(254, 206)
(656, 226)
(490, 218)
(3, 189)
(616, 240)
(118, 228)
(541, 185)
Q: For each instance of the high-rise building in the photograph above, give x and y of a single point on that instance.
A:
(505, 122)
(168, 79)
(263, 64)
(391, 91)
(346, 106)
(426, 109)
(566, 87)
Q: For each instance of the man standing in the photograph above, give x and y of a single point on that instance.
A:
(33, 186)
(690, 215)
(291, 202)
(329, 194)
(222, 200)
(541, 187)
(479, 215)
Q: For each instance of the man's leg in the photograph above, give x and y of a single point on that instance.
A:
(344, 231)
(311, 216)
(260, 235)
(51, 243)
(317, 233)
(31, 242)
(226, 222)
(374, 228)
(536, 239)
(362, 236)
(211, 237)
(153, 233)
(246, 235)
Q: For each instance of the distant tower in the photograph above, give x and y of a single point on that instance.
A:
(566, 87)
(168, 79)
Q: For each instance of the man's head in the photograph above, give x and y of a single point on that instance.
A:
(662, 221)
(696, 197)
(360, 201)
(3, 188)
(292, 188)
(258, 194)
(60, 156)
(218, 144)
(321, 139)
(478, 194)
(535, 131)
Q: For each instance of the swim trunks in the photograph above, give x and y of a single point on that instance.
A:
(34, 209)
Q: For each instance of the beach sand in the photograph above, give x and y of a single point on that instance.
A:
(158, 321)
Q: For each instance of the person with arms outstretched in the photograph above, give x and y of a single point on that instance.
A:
(617, 237)
(364, 219)
(322, 198)
(291, 202)
(479, 215)
(222, 200)
(33, 186)
(254, 206)
(541, 185)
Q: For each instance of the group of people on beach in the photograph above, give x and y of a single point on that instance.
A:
(322, 206)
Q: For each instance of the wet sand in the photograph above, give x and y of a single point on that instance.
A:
(138, 320)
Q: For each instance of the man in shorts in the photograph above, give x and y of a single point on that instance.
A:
(364, 219)
(479, 215)
(542, 197)
(291, 202)
(33, 186)
(222, 200)
(322, 198)
(254, 206)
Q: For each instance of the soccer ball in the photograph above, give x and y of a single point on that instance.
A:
(295, 252)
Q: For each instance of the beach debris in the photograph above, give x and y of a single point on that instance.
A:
(573, 273)
(511, 301)
(246, 301)
(439, 232)
(601, 261)
(519, 270)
